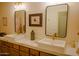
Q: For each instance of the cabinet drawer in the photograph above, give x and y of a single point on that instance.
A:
(10, 44)
(4, 43)
(0, 43)
(15, 46)
(34, 52)
(4, 48)
(23, 53)
(46, 54)
(32, 55)
(0, 49)
(7, 44)
(24, 49)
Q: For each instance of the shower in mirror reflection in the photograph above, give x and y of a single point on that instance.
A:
(20, 21)
(56, 20)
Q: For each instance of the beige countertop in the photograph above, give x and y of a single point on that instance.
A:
(34, 45)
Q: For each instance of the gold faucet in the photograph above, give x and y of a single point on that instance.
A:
(54, 36)
(23, 29)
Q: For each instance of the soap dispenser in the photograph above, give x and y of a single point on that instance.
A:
(32, 35)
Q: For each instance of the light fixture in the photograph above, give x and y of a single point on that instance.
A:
(19, 6)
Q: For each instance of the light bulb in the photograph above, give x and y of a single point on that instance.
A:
(19, 6)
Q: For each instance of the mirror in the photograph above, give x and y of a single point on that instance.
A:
(56, 20)
(20, 21)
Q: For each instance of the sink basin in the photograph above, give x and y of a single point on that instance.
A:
(20, 38)
(28, 42)
(15, 36)
(54, 45)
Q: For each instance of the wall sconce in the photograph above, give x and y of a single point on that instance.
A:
(19, 6)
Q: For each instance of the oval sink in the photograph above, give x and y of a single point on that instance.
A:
(20, 39)
(54, 45)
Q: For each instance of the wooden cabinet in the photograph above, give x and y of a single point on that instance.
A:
(8, 49)
(34, 52)
(24, 51)
(0, 49)
(0, 46)
(14, 49)
(46, 54)
(4, 49)
(14, 52)
(11, 49)
(10, 45)
(0, 43)
(15, 46)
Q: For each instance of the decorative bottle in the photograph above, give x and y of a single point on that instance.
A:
(32, 35)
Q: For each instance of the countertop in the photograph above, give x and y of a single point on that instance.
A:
(68, 51)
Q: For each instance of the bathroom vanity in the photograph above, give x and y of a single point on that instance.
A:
(15, 49)
(18, 46)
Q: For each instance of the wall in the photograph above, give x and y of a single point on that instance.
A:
(73, 23)
(7, 9)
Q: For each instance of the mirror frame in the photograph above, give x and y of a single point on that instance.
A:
(46, 18)
(24, 19)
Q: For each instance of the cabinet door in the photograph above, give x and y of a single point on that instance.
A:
(4, 47)
(0, 49)
(0, 42)
(34, 52)
(4, 51)
(24, 51)
(14, 49)
(14, 52)
(46, 54)
(4, 43)
(15, 46)
(9, 44)
(0, 46)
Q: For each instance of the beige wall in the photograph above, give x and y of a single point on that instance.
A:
(73, 23)
(7, 9)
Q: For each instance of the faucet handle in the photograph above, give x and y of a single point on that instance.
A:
(56, 35)
(23, 29)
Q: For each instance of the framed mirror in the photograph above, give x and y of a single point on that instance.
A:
(20, 21)
(56, 20)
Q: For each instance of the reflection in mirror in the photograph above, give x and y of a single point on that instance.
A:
(56, 20)
(20, 21)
